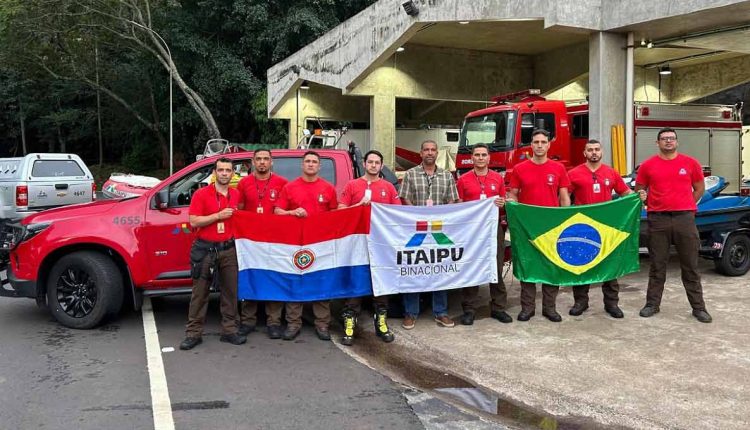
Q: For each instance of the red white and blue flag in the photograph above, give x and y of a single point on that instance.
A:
(290, 259)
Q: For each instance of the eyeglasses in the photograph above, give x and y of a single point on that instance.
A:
(668, 139)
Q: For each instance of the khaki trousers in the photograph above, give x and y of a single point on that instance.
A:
(249, 314)
(678, 229)
(321, 310)
(227, 273)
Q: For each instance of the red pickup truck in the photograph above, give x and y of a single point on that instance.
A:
(82, 261)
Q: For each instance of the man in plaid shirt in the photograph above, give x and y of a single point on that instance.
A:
(427, 185)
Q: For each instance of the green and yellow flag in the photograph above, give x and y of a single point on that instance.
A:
(575, 245)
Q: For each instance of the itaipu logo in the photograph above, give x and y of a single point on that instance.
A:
(303, 259)
(181, 228)
(420, 258)
(579, 243)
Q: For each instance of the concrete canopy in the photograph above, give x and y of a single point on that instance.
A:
(343, 57)
(459, 52)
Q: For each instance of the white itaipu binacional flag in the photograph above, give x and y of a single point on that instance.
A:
(431, 248)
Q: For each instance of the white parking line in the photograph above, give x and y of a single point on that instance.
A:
(160, 403)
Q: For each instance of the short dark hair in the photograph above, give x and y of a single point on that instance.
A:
(540, 131)
(665, 130)
(375, 152)
(311, 153)
(222, 160)
(593, 142)
(421, 146)
(479, 145)
(263, 150)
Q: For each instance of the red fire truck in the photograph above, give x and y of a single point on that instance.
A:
(710, 133)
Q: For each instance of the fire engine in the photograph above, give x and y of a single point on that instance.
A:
(710, 133)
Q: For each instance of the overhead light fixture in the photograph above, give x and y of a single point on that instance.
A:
(463, 22)
(665, 70)
(400, 49)
(410, 8)
(650, 45)
(643, 42)
(305, 85)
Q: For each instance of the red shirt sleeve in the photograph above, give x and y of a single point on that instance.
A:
(564, 179)
(283, 201)
(196, 206)
(642, 177)
(346, 195)
(333, 202)
(460, 187)
(697, 174)
(619, 184)
(514, 181)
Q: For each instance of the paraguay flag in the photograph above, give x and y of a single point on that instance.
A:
(290, 259)
(575, 245)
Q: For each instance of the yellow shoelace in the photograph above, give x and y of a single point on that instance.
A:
(382, 325)
(349, 326)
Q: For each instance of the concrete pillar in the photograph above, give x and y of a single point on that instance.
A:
(607, 62)
(383, 127)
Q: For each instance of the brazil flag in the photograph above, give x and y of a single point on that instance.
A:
(575, 245)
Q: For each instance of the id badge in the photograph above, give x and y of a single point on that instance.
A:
(320, 198)
(428, 202)
(368, 194)
(259, 209)
(482, 196)
(220, 227)
(597, 188)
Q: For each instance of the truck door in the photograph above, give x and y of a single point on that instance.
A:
(167, 235)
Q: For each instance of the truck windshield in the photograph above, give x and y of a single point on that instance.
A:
(494, 130)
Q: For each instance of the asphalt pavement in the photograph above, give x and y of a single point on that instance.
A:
(53, 377)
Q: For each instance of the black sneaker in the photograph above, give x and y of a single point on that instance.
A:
(552, 315)
(649, 311)
(190, 343)
(275, 332)
(702, 316)
(467, 318)
(245, 329)
(323, 333)
(615, 312)
(380, 319)
(501, 316)
(578, 309)
(234, 339)
(290, 333)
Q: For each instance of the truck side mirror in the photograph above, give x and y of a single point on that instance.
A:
(162, 198)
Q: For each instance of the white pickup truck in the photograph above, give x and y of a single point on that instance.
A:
(37, 182)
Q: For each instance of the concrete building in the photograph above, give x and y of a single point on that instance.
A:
(458, 54)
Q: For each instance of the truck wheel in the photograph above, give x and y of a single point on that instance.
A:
(83, 289)
(735, 261)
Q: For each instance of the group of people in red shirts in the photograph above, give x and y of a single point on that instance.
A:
(670, 183)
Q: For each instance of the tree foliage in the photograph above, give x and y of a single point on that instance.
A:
(56, 56)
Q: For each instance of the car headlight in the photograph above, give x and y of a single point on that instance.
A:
(29, 231)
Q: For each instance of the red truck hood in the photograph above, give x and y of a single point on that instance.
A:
(79, 211)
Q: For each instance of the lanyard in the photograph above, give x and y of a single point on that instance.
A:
(257, 190)
(218, 200)
(481, 183)
(429, 180)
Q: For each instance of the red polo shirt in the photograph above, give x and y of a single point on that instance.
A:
(207, 201)
(595, 187)
(382, 192)
(670, 182)
(255, 193)
(315, 197)
(538, 184)
(471, 186)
